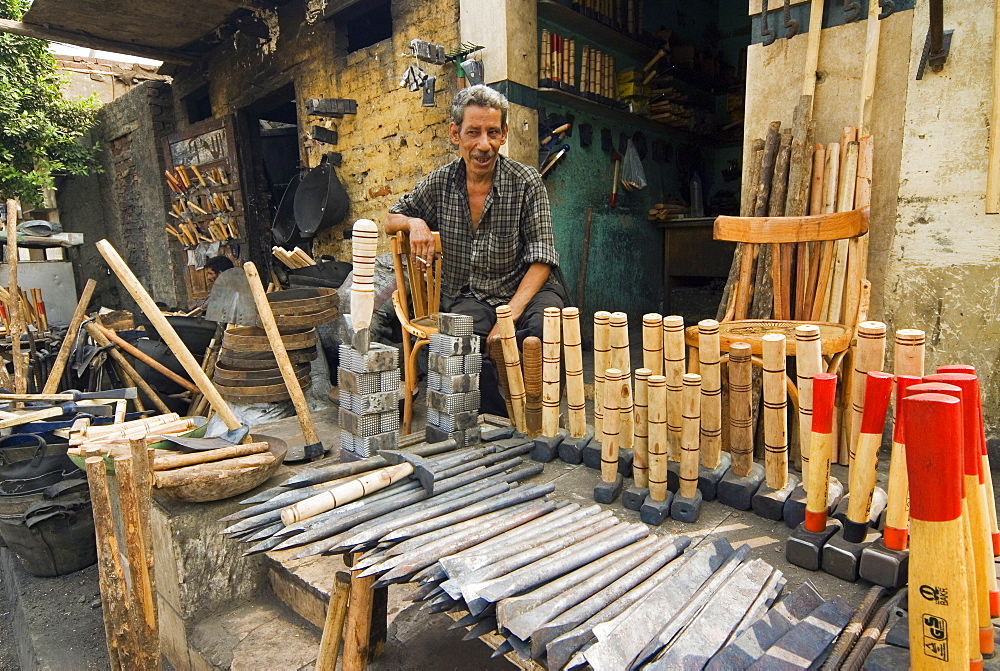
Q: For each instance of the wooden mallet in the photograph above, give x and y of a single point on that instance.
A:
(634, 496)
(714, 462)
(938, 615)
(656, 507)
(686, 506)
(674, 364)
(512, 362)
(611, 480)
(769, 501)
(805, 545)
(580, 434)
(842, 553)
(740, 484)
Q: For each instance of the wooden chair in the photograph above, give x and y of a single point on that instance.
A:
(812, 282)
(416, 309)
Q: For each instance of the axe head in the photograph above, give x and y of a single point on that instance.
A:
(421, 468)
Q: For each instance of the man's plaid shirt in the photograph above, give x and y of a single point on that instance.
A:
(515, 229)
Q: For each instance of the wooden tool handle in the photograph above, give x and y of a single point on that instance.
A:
(345, 493)
(824, 393)
(364, 247)
(281, 354)
(740, 406)
(897, 510)
(674, 363)
(621, 359)
(657, 446)
(775, 409)
(709, 356)
(551, 396)
(909, 352)
(55, 375)
(333, 629)
(602, 361)
(573, 351)
(652, 343)
(869, 355)
(512, 362)
(808, 363)
(613, 379)
(165, 461)
(864, 469)
(938, 567)
(531, 364)
(167, 332)
(145, 358)
(31, 417)
(690, 422)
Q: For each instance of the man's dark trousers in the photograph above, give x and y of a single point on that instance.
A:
(484, 317)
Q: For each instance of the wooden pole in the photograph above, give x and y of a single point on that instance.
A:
(551, 396)
(740, 411)
(129, 348)
(66, 348)
(652, 343)
(115, 600)
(281, 355)
(772, 143)
(709, 356)
(512, 362)
(808, 364)
(621, 359)
(167, 332)
(357, 628)
(17, 326)
(657, 476)
(775, 411)
(141, 584)
(640, 431)
(674, 365)
(937, 540)
(102, 341)
(812, 49)
(333, 629)
(688, 475)
(576, 402)
(602, 361)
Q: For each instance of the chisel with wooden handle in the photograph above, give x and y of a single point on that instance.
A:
(364, 243)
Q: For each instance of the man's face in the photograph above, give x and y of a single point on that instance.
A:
(210, 276)
(479, 139)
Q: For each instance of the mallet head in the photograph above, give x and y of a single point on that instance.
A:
(421, 468)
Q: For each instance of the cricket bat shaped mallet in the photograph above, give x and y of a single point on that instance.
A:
(938, 587)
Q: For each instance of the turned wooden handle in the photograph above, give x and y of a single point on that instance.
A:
(576, 402)
(621, 360)
(55, 375)
(364, 248)
(709, 356)
(740, 410)
(602, 361)
(165, 461)
(640, 428)
(690, 421)
(611, 444)
(652, 343)
(512, 361)
(657, 446)
(551, 396)
(775, 409)
(820, 448)
(345, 493)
(673, 369)
(167, 332)
(808, 364)
(864, 469)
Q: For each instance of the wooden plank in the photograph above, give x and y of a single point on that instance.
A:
(812, 49)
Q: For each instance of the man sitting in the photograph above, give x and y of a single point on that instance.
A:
(495, 224)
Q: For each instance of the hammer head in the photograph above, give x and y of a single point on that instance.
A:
(421, 468)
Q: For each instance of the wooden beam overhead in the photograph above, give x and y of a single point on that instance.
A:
(90, 42)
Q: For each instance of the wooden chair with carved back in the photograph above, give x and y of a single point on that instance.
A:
(417, 301)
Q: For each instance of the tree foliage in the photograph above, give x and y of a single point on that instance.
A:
(39, 129)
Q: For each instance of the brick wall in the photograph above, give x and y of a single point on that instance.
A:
(392, 141)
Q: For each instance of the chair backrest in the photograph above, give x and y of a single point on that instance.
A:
(424, 297)
(817, 264)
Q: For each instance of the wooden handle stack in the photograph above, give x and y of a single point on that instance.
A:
(294, 259)
(201, 207)
(512, 362)
(674, 363)
(551, 340)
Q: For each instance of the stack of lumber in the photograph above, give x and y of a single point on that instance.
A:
(663, 211)
(293, 259)
(85, 440)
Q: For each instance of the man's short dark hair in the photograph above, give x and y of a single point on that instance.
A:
(219, 264)
(481, 96)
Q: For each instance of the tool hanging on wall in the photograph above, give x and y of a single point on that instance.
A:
(459, 56)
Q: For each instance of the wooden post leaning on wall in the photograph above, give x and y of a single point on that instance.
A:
(14, 309)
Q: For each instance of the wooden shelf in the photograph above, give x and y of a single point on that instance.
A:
(559, 96)
(594, 30)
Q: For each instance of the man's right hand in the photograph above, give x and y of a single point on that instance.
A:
(421, 241)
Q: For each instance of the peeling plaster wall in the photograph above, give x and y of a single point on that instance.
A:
(943, 272)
